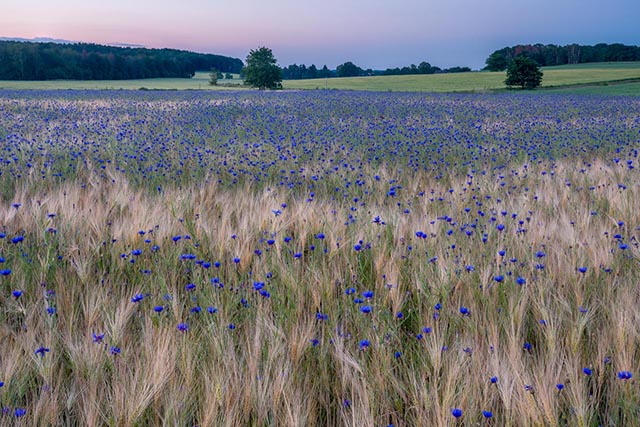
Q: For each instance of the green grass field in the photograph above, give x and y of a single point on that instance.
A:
(601, 78)
(199, 82)
(618, 89)
(582, 74)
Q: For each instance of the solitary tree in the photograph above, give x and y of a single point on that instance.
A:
(524, 72)
(262, 70)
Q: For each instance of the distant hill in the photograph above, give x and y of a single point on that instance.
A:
(63, 60)
(550, 55)
(36, 40)
(60, 41)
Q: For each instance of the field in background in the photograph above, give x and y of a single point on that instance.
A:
(312, 258)
(475, 81)
(199, 82)
(582, 78)
(604, 89)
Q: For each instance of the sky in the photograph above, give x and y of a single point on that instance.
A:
(375, 34)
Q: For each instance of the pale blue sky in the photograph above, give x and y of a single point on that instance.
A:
(374, 34)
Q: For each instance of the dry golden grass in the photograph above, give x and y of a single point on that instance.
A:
(265, 371)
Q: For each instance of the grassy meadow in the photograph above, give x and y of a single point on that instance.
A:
(199, 82)
(581, 74)
(615, 78)
(319, 258)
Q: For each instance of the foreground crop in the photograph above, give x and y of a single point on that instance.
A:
(319, 259)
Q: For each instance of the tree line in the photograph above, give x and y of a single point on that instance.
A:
(85, 61)
(550, 54)
(349, 69)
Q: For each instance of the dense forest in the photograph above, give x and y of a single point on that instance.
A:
(82, 61)
(549, 54)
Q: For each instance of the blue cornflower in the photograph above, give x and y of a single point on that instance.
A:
(397, 354)
(196, 309)
(314, 342)
(457, 413)
(320, 236)
(582, 269)
(17, 239)
(464, 311)
(189, 287)
(527, 346)
(114, 350)
(51, 310)
(321, 316)
(560, 386)
(625, 375)
(399, 315)
(258, 285)
(20, 412)
(6, 271)
(236, 260)
(97, 338)
(350, 291)
(136, 252)
(17, 293)
(137, 298)
(357, 247)
(500, 227)
(367, 294)
(183, 327)
(499, 278)
(212, 310)
(158, 308)
(364, 344)
(521, 281)
(365, 309)
(494, 380)
(587, 371)
(41, 351)
(487, 414)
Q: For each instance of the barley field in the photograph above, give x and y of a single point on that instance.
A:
(319, 259)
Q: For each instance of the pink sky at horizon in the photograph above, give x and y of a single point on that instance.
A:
(373, 34)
